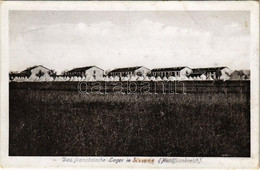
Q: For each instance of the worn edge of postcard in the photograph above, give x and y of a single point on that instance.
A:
(208, 162)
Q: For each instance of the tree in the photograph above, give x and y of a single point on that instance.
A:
(107, 72)
(149, 74)
(241, 75)
(140, 73)
(40, 73)
(64, 72)
(218, 74)
(52, 73)
(12, 74)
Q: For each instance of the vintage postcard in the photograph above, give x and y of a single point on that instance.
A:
(130, 84)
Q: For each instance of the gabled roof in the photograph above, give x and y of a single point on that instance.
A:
(169, 69)
(80, 69)
(208, 69)
(241, 72)
(30, 68)
(126, 69)
(246, 72)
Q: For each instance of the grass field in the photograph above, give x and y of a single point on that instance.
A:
(66, 123)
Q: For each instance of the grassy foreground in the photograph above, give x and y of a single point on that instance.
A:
(66, 123)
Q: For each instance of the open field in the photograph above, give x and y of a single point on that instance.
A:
(231, 86)
(67, 123)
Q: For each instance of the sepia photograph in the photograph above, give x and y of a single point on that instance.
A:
(122, 85)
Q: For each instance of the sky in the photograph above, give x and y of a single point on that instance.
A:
(63, 40)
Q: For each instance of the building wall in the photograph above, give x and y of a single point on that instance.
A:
(122, 74)
(166, 73)
(36, 70)
(235, 76)
(180, 73)
(240, 75)
(225, 74)
(78, 74)
(142, 70)
(185, 72)
(94, 72)
(212, 74)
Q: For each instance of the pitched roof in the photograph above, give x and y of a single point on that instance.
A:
(241, 72)
(80, 69)
(169, 69)
(246, 72)
(30, 68)
(126, 69)
(195, 74)
(208, 69)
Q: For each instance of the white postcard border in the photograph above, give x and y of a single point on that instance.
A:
(206, 162)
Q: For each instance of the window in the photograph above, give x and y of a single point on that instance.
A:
(94, 72)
